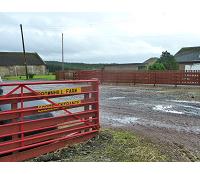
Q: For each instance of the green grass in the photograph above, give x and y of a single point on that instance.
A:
(36, 77)
(109, 145)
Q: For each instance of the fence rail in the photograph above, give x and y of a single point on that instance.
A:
(137, 77)
(40, 117)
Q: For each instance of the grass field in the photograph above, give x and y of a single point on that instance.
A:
(109, 146)
(35, 77)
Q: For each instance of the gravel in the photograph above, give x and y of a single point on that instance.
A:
(165, 114)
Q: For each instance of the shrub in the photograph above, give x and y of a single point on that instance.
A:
(30, 76)
(157, 66)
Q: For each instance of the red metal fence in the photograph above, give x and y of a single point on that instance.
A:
(139, 77)
(44, 116)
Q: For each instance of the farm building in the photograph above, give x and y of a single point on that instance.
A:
(130, 66)
(150, 61)
(125, 67)
(12, 64)
(188, 58)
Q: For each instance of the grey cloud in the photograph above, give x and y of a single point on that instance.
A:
(88, 37)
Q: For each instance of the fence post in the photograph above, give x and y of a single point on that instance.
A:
(134, 78)
(78, 75)
(175, 79)
(102, 76)
(62, 75)
(74, 75)
(199, 77)
(154, 78)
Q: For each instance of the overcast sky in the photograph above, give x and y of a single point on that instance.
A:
(103, 37)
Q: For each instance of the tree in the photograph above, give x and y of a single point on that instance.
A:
(165, 62)
(168, 61)
(157, 66)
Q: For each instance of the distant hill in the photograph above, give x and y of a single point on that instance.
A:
(56, 66)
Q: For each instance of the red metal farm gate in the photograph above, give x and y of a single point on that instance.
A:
(40, 117)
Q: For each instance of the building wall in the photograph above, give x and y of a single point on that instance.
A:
(124, 67)
(181, 66)
(189, 66)
(195, 66)
(20, 70)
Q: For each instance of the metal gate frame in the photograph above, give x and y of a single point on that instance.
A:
(62, 130)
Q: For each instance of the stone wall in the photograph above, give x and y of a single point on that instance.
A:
(20, 70)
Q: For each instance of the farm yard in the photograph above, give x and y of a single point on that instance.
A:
(142, 123)
(166, 115)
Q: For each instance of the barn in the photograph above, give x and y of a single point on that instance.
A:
(12, 64)
(125, 67)
(131, 66)
(188, 58)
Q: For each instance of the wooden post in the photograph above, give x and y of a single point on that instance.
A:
(102, 76)
(25, 61)
(199, 77)
(62, 54)
(176, 78)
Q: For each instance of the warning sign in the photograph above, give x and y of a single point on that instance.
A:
(49, 107)
(60, 91)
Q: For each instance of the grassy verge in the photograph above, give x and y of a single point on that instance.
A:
(109, 145)
(35, 77)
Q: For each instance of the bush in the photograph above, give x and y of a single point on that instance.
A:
(168, 61)
(165, 62)
(30, 76)
(157, 66)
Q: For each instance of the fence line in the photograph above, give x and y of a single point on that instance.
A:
(135, 77)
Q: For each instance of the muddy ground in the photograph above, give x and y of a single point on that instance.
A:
(166, 115)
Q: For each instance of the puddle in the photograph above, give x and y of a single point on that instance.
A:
(166, 109)
(194, 129)
(192, 107)
(162, 91)
(120, 120)
(185, 101)
(134, 103)
(189, 107)
(125, 120)
(115, 98)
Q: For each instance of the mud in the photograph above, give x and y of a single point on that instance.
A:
(165, 115)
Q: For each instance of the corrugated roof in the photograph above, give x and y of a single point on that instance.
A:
(188, 54)
(17, 58)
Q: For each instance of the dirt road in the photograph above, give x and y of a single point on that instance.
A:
(167, 115)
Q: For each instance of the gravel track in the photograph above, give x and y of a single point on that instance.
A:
(165, 115)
